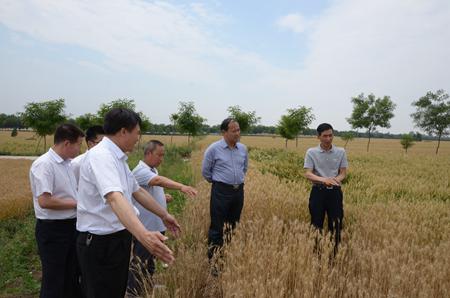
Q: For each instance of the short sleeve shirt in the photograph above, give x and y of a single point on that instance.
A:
(144, 174)
(52, 174)
(103, 170)
(325, 163)
(76, 164)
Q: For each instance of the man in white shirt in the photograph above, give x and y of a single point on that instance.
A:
(94, 135)
(54, 189)
(105, 214)
(147, 176)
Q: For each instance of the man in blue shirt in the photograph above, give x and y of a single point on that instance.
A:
(225, 165)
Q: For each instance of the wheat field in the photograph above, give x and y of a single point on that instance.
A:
(395, 241)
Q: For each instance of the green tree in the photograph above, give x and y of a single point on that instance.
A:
(370, 112)
(43, 117)
(245, 119)
(14, 132)
(124, 103)
(302, 118)
(433, 114)
(407, 141)
(347, 137)
(287, 128)
(187, 120)
(87, 120)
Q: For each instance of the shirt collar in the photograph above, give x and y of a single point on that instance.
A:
(224, 144)
(143, 163)
(323, 150)
(114, 148)
(55, 156)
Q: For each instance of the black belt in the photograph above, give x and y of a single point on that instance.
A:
(323, 186)
(230, 186)
(67, 220)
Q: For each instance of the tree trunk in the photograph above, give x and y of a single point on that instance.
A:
(296, 141)
(345, 146)
(45, 143)
(171, 138)
(37, 146)
(439, 142)
(368, 143)
(285, 144)
(189, 138)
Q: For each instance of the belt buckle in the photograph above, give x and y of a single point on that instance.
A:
(329, 187)
(235, 186)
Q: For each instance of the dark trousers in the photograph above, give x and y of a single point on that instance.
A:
(225, 209)
(56, 245)
(142, 266)
(104, 262)
(327, 201)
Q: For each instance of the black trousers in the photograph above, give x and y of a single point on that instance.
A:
(225, 208)
(327, 201)
(104, 262)
(56, 245)
(142, 265)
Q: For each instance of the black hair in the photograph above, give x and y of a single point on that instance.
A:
(93, 131)
(226, 123)
(322, 127)
(151, 146)
(67, 132)
(119, 118)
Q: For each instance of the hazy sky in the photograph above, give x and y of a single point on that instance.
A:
(265, 56)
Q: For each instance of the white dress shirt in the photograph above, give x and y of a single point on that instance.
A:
(76, 164)
(144, 174)
(52, 174)
(103, 170)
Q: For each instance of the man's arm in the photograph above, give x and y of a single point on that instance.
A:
(341, 176)
(149, 203)
(152, 241)
(320, 180)
(47, 201)
(207, 164)
(168, 183)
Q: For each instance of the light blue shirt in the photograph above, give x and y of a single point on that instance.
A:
(224, 164)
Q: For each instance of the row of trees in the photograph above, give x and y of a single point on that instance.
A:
(369, 113)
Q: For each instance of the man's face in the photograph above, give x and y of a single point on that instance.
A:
(71, 150)
(155, 158)
(94, 142)
(233, 134)
(326, 137)
(130, 138)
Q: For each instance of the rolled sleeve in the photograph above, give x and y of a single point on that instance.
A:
(309, 162)
(106, 174)
(43, 178)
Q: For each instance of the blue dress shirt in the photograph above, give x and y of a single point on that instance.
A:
(224, 164)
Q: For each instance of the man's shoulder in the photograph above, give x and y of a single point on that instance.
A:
(79, 158)
(338, 149)
(241, 145)
(42, 160)
(313, 150)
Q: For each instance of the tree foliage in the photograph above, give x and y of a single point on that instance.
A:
(370, 112)
(347, 137)
(433, 114)
(44, 116)
(302, 118)
(287, 128)
(407, 141)
(87, 120)
(245, 119)
(187, 120)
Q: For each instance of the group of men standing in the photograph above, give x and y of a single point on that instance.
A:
(91, 209)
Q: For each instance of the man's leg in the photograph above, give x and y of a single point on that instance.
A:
(335, 214)
(317, 207)
(54, 245)
(234, 211)
(218, 208)
(104, 262)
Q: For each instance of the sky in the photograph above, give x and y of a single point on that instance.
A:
(265, 56)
